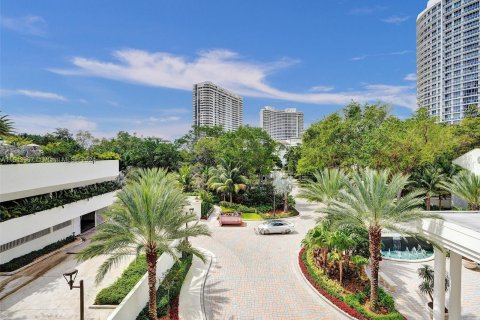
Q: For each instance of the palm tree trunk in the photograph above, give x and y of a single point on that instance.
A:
(324, 258)
(231, 197)
(152, 279)
(440, 202)
(375, 237)
(340, 269)
(428, 203)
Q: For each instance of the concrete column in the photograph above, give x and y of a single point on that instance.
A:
(455, 303)
(439, 285)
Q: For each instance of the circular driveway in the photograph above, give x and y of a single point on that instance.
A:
(258, 277)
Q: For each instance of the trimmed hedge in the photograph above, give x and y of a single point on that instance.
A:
(18, 208)
(352, 304)
(28, 258)
(118, 290)
(175, 277)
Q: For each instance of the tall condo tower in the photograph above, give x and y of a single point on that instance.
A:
(448, 58)
(213, 105)
(282, 124)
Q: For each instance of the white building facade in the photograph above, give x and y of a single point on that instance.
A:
(213, 105)
(28, 232)
(448, 47)
(282, 125)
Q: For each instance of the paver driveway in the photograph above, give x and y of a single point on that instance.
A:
(258, 277)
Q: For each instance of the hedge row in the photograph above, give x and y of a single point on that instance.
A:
(118, 290)
(352, 304)
(170, 288)
(28, 258)
(17, 208)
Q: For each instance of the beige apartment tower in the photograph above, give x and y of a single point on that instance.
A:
(282, 125)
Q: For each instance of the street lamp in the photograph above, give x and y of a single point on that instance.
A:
(70, 278)
(186, 224)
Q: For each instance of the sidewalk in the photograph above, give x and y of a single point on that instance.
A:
(191, 305)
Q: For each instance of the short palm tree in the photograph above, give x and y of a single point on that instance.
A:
(226, 179)
(369, 201)
(430, 180)
(319, 237)
(147, 217)
(325, 186)
(283, 187)
(185, 177)
(465, 185)
(6, 126)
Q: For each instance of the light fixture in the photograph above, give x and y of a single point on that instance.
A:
(70, 277)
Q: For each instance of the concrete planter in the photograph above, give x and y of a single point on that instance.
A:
(469, 264)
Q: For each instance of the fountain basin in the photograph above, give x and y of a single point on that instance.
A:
(406, 249)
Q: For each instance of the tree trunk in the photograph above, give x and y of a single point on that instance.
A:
(152, 279)
(440, 202)
(285, 203)
(324, 258)
(231, 197)
(223, 194)
(340, 269)
(375, 237)
(428, 203)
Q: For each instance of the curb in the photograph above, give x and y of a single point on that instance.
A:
(202, 289)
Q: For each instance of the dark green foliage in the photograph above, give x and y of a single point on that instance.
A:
(206, 208)
(26, 206)
(22, 261)
(170, 287)
(118, 290)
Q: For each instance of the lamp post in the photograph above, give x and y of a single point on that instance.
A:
(186, 224)
(70, 278)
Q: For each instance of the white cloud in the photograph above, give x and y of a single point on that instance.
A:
(32, 25)
(41, 124)
(226, 68)
(113, 103)
(375, 55)
(34, 94)
(396, 19)
(322, 89)
(366, 10)
(410, 77)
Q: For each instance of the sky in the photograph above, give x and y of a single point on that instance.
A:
(105, 66)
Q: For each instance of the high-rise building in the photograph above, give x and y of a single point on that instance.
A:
(213, 105)
(282, 124)
(448, 58)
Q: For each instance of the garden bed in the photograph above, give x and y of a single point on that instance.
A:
(253, 215)
(354, 302)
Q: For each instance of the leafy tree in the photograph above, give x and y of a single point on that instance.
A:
(292, 156)
(283, 186)
(61, 149)
(147, 217)
(472, 111)
(226, 179)
(185, 177)
(252, 147)
(85, 139)
(467, 134)
(465, 185)
(370, 201)
(6, 125)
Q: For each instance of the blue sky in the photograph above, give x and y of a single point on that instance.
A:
(106, 66)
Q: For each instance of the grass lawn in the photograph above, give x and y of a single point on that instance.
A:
(251, 216)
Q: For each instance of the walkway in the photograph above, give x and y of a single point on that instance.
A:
(258, 277)
(49, 297)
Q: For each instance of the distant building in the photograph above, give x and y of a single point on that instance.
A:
(282, 125)
(448, 47)
(213, 105)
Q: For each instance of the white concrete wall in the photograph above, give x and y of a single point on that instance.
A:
(26, 180)
(470, 161)
(17, 228)
(137, 298)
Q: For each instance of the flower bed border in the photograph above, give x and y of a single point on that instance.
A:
(338, 303)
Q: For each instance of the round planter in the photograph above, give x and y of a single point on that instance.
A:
(430, 310)
(469, 264)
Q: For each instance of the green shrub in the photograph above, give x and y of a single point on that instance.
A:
(118, 290)
(26, 206)
(170, 287)
(28, 258)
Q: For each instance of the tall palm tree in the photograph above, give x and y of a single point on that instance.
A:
(6, 126)
(430, 180)
(369, 201)
(325, 186)
(465, 185)
(147, 217)
(226, 179)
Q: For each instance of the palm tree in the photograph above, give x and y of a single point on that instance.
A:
(369, 201)
(147, 217)
(319, 237)
(185, 177)
(226, 179)
(283, 186)
(465, 185)
(6, 126)
(325, 186)
(430, 181)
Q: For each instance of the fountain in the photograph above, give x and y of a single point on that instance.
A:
(415, 252)
(407, 253)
